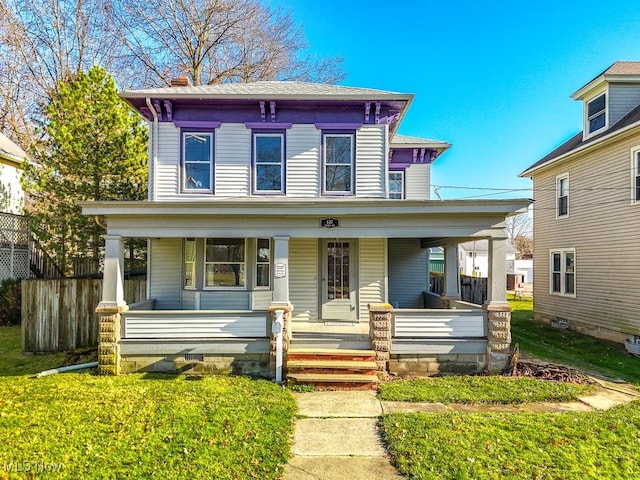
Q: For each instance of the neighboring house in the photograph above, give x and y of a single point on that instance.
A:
(302, 198)
(474, 258)
(11, 193)
(587, 201)
(14, 228)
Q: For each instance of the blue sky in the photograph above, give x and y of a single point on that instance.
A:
(492, 78)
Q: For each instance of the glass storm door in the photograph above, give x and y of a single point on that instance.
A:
(338, 293)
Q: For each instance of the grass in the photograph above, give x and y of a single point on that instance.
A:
(569, 446)
(138, 426)
(570, 348)
(479, 389)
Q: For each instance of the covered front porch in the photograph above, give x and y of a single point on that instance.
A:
(234, 333)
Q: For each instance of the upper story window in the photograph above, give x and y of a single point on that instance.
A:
(596, 113)
(224, 262)
(268, 154)
(562, 195)
(635, 175)
(396, 185)
(197, 151)
(563, 272)
(338, 163)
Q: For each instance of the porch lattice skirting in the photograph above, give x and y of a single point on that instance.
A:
(499, 337)
(108, 338)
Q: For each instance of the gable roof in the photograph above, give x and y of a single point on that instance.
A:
(576, 143)
(10, 151)
(271, 90)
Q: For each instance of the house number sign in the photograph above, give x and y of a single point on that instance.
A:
(280, 270)
(329, 222)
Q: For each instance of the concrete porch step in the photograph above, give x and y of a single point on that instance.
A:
(335, 380)
(332, 364)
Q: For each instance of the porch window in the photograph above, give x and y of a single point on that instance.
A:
(338, 163)
(563, 272)
(197, 154)
(596, 113)
(190, 263)
(224, 263)
(562, 195)
(396, 185)
(263, 262)
(268, 154)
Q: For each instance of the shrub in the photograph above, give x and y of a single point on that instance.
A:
(10, 303)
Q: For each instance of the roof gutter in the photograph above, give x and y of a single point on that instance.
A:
(154, 147)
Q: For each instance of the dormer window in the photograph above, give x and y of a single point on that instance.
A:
(597, 113)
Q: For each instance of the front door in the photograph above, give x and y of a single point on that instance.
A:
(338, 281)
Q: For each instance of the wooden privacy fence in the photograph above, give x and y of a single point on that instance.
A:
(59, 315)
(472, 289)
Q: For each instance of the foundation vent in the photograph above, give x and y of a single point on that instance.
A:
(194, 357)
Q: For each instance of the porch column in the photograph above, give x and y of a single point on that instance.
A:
(497, 307)
(451, 291)
(111, 306)
(281, 271)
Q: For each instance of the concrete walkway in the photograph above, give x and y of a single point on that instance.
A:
(336, 435)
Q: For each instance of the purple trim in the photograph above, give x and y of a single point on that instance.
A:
(168, 106)
(378, 112)
(415, 155)
(146, 113)
(267, 126)
(367, 111)
(262, 111)
(156, 105)
(196, 124)
(338, 126)
(272, 107)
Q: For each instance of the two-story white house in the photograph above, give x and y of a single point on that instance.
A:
(587, 213)
(296, 197)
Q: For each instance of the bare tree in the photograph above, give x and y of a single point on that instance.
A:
(217, 41)
(519, 231)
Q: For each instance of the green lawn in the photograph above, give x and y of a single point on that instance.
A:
(570, 348)
(570, 446)
(138, 426)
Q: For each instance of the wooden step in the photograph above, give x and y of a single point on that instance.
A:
(330, 354)
(332, 378)
(333, 364)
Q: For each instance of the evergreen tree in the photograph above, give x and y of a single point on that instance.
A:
(93, 147)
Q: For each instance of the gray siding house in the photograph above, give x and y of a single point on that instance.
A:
(300, 198)
(587, 213)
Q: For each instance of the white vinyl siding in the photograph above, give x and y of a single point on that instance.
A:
(10, 181)
(417, 181)
(165, 279)
(168, 174)
(303, 161)
(372, 273)
(622, 99)
(371, 160)
(224, 300)
(303, 278)
(407, 272)
(232, 160)
(604, 228)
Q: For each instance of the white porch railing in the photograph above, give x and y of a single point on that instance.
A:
(431, 323)
(195, 324)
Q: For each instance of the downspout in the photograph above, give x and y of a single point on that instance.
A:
(69, 368)
(154, 147)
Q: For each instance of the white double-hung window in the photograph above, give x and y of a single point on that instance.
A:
(562, 195)
(596, 114)
(396, 185)
(635, 175)
(197, 155)
(563, 272)
(338, 163)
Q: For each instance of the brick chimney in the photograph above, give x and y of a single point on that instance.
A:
(181, 81)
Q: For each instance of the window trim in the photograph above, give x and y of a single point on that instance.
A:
(183, 162)
(559, 178)
(224, 287)
(402, 184)
(635, 175)
(352, 137)
(605, 111)
(562, 272)
(254, 162)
